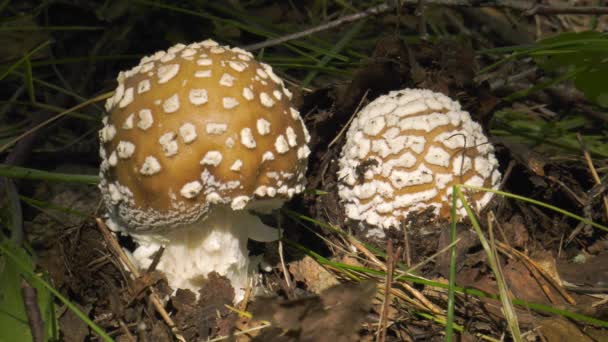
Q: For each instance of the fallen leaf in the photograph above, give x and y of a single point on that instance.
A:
(334, 316)
(315, 276)
(556, 329)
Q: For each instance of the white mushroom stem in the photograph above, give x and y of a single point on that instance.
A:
(217, 243)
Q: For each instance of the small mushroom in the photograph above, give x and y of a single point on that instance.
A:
(195, 139)
(403, 153)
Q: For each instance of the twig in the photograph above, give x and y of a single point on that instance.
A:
(349, 120)
(53, 118)
(553, 10)
(156, 259)
(283, 266)
(390, 265)
(406, 243)
(243, 303)
(529, 262)
(34, 318)
(329, 25)
(13, 206)
(417, 294)
(429, 259)
(115, 247)
(526, 6)
(242, 332)
(125, 330)
(592, 170)
(543, 286)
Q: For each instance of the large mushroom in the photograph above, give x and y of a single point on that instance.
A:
(403, 153)
(196, 138)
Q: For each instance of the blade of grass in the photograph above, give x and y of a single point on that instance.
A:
(102, 334)
(449, 325)
(28, 76)
(51, 108)
(457, 327)
(350, 35)
(27, 55)
(41, 205)
(543, 85)
(272, 31)
(84, 59)
(12, 171)
(235, 23)
(68, 111)
(507, 306)
(538, 203)
(56, 88)
(50, 28)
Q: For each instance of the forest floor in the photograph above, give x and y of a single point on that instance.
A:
(535, 81)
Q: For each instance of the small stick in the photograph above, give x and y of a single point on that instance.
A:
(390, 264)
(243, 303)
(592, 170)
(544, 273)
(283, 266)
(417, 294)
(349, 120)
(34, 318)
(242, 332)
(406, 243)
(156, 302)
(543, 286)
(358, 245)
(525, 6)
(53, 118)
(156, 259)
(329, 25)
(125, 330)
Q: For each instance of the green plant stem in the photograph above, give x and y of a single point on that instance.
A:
(538, 203)
(11, 171)
(449, 325)
(352, 33)
(27, 56)
(507, 306)
(102, 334)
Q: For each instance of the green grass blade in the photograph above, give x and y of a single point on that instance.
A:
(50, 28)
(28, 76)
(449, 325)
(102, 334)
(41, 205)
(11, 171)
(538, 203)
(51, 108)
(457, 327)
(20, 61)
(350, 35)
(507, 306)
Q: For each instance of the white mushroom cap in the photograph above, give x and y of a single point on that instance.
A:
(196, 126)
(403, 153)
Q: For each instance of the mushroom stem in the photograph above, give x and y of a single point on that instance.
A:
(217, 243)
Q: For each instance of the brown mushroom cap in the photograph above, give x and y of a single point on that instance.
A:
(403, 153)
(195, 126)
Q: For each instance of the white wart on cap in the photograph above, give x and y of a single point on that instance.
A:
(405, 150)
(194, 126)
